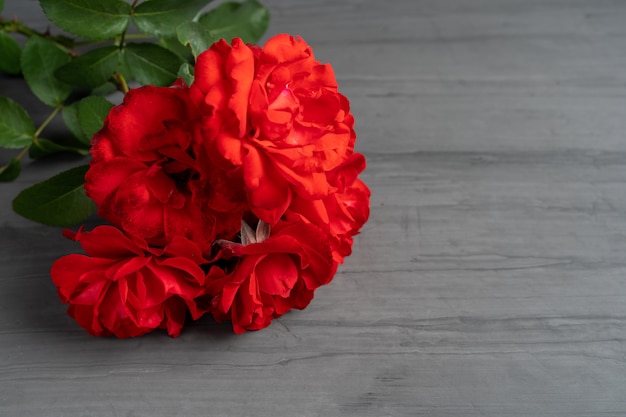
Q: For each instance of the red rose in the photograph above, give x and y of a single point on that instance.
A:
(148, 177)
(262, 135)
(126, 288)
(341, 214)
(272, 276)
(282, 124)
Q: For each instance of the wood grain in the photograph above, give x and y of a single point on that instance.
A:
(489, 281)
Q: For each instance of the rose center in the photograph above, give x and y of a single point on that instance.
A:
(180, 174)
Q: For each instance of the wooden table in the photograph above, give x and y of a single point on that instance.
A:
(489, 281)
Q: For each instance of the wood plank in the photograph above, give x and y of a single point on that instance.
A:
(489, 281)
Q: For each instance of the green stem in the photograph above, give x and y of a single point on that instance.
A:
(122, 40)
(88, 43)
(22, 153)
(138, 36)
(20, 28)
(123, 36)
(120, 82)
(47, 121)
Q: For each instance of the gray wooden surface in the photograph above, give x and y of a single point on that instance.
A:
(489, 281)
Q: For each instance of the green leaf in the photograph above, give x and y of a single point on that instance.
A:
(247, 20)
(91, 114)
(161, 17)
(186, 73)
(91, 69)
(40, 58)
(70, 117)
(44, 147)
(196, 36)
(58, 201)
(84, 118)
(10, 171)
(124, 69)
(174, 45)
(9, 54)
(152, 64)
(104, 90)
(16, 127)
(91, 19)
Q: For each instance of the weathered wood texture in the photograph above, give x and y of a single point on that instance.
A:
(490, 280)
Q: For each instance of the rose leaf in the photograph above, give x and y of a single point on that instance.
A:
(152, 64)
(16, 127)
(58, 201)
(70, 117)
(91, 69)
(90, 19)
(196, 36)
(40, 58)
(9, 54)
(161, 17)
(91, 114)
(186, 73)
(174, 45)
(247, 20)
(11, 170)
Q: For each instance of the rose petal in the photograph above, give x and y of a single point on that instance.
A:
(277, 274)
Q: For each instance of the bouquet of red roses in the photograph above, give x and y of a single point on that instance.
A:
(237, 195)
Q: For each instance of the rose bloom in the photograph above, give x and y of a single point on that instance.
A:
(147, 177)
(271, 276)
(275, 117)
(125, 288)
(340, 214)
